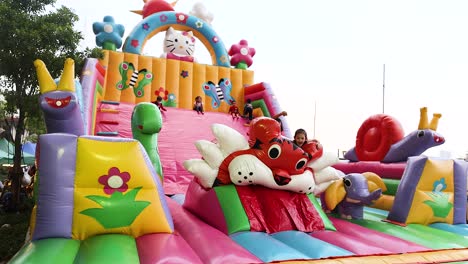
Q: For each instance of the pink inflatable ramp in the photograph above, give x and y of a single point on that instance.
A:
(165, 248)
(211, 245)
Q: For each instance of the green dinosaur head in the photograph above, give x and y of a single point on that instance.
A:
(146, 119)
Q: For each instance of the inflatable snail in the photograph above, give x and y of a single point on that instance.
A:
(381, 138)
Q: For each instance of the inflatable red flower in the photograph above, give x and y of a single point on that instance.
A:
(162, 92)
(114, 181)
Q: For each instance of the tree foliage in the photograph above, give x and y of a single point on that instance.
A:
(30, 30)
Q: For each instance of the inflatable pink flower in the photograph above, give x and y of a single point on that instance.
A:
(241, 55)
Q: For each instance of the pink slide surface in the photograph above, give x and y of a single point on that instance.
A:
(181, 128)
(176, 141)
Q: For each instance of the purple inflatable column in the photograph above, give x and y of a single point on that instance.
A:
(57, 165)
(460, 172)
(405, 192)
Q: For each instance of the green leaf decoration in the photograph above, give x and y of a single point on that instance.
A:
(440, 204)
(118, 210)
(101, 200)
(132, 193)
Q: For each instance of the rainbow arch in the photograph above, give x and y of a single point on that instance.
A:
(161, 21)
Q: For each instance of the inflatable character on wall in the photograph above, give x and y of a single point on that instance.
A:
(267, 159)
(60, 103)
(349, 195)
(219, 93)
(179, 45)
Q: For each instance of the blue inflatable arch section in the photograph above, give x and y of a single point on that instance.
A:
(161, 21)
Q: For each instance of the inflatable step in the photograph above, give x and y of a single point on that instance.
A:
(108, 133)
(110, 122)
(110, 102)
(109, 110)
(100, 69)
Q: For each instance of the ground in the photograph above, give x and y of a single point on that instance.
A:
(13, 227)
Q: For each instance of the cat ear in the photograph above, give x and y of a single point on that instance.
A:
(191, 36)
(170, 31)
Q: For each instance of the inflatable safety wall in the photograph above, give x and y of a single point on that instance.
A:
(431, 191)
(132, 78)
(84, 200)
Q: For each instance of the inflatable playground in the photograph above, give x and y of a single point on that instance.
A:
(123, 180)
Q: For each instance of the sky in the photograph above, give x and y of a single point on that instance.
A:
(325, 59)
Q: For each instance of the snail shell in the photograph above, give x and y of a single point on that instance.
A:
(375, 137)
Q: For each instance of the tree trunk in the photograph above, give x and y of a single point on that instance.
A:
(17, 172)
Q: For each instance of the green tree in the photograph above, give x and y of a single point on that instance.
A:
(30, 30)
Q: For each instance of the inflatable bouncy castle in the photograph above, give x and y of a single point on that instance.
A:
(120, 180)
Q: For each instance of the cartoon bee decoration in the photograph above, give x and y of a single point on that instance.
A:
(138, 78)
(220, 92)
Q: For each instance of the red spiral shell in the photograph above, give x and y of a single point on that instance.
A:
(375, 137)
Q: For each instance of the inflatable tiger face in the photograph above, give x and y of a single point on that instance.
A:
(266, 159)
(279, 154)
(283, 157)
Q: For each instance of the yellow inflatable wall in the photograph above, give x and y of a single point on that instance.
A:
(178, 82)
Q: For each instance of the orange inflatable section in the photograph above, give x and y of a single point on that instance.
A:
(132, 78)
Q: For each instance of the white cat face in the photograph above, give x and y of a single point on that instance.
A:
(180, 43)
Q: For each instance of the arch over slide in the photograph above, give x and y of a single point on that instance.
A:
(161, 21)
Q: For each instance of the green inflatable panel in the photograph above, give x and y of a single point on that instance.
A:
(392, 186)
(47, 251)
(326, 221)
(234, 213)
(261, 104)
(110, 248)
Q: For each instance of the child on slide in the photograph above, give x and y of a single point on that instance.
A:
(313, 147)
(234, 111)
(159, 104)
(248, 110)
(198, 105)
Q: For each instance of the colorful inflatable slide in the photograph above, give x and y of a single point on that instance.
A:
(120, 181)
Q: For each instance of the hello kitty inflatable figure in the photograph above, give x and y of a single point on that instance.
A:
(179, 45)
